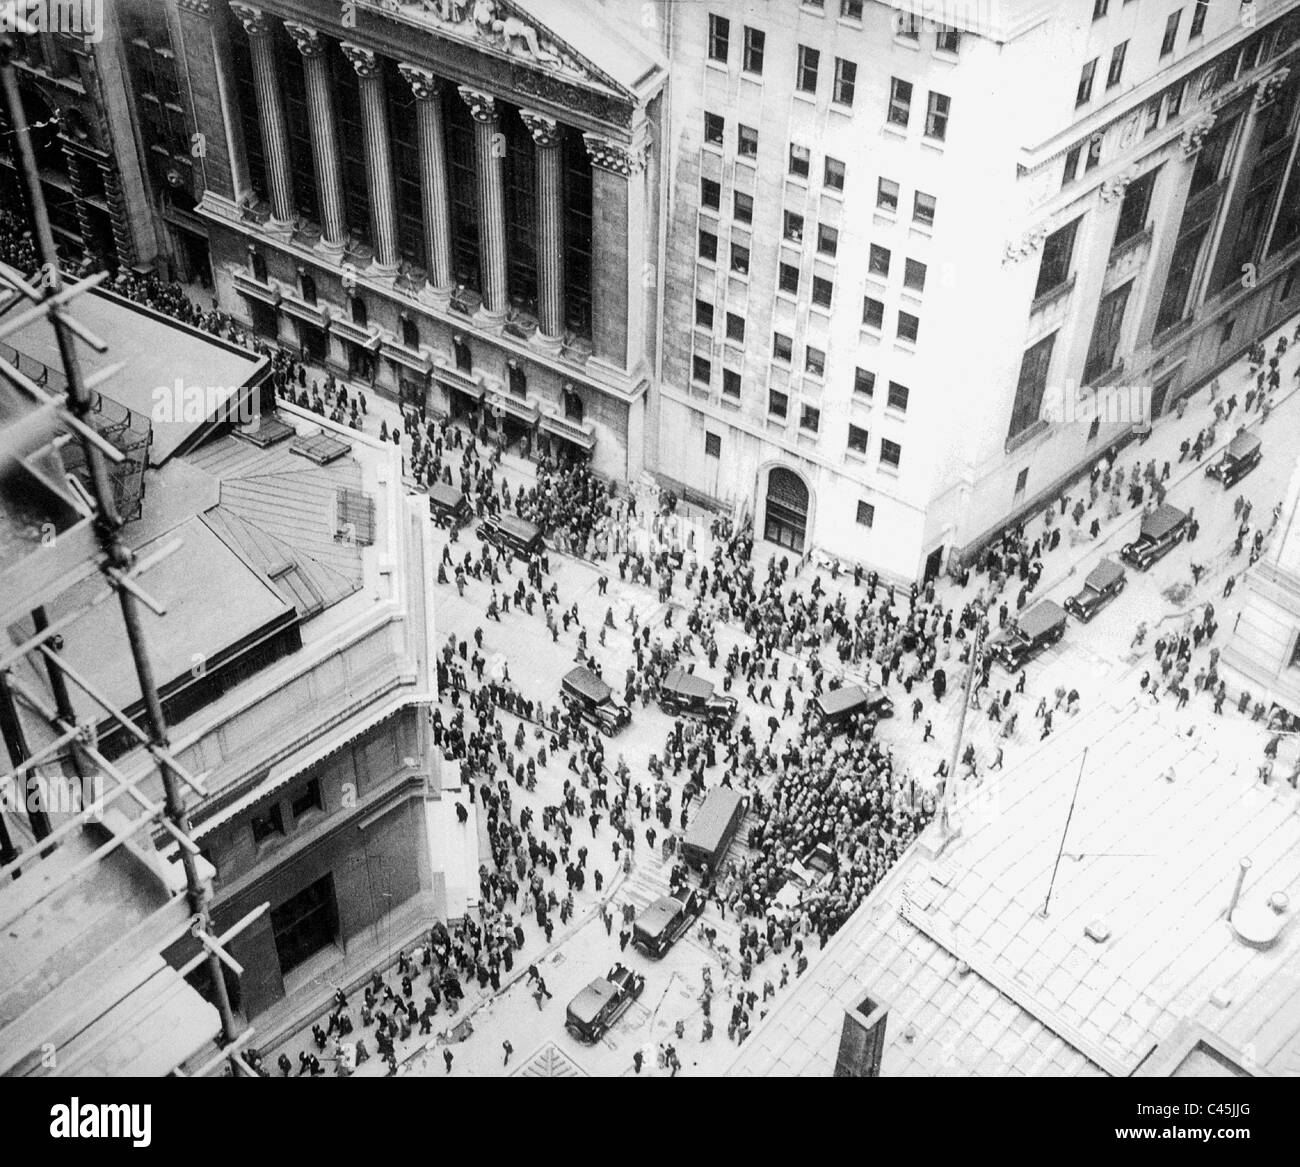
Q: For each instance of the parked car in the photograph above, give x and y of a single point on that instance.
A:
(1238, 460)
(1162, 530)
(594, 700)
(836, 708)
(447, 506)
(509, 531)
(685, 693)
(594, 1010)
(667, 920)
(1101, 585)
(1031, 632)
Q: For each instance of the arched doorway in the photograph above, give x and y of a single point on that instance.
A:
(785, 518)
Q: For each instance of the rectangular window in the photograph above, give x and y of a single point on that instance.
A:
(907, 25)
(1171, 33)
(1199, 10)
(710, 194)
(898, 395)
(799, 160)
(833, 174)
(1022, 480)
(828, 239)
(1178, 283)
(714, 126)
(851, 9)
(923, 208)
(946, 39)
(743, 206)
(305, 923)
(703, 313)
(782, 347)
(1071, 166)
(307, 799)
(1031, 385)
(873, 312)
(936, 116)
(708, 246)
(746, 141)
(778, 403)
(793, 227)
(891, 453)
(1094, 152)
(866, 514)
(755, 39)
(268, 823)
(1099, 8)
(822, 291)
(1115, 74)
(900, 101)
(787, 278)
(719, 38)
(887, 195)
(740, 259)
(864, 382)
(846, 76)
(1106, 332)
(914, 275)
(806, 75)
(1058, 252)
(810, 417)
(1174, 102)
(878, 260)
(1133, 210)
(908, 326)
(712, 445)
(814, 361)
(701, 369)
(857, 439)
(1083, 94)
(1152, 121)
(730, 383)
(735, 327)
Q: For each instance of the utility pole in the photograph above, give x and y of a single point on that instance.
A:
(1061, 849)
(976, 648)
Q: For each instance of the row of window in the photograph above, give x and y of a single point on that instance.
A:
(891, 452)
(1200, 9)
(1115, 70)
(269, 822)
(937, 109)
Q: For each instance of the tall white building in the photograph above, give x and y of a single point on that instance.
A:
(923, 266)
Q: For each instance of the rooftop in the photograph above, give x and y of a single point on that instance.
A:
(978, 982)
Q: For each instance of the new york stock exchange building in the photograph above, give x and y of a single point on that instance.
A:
(447, 202)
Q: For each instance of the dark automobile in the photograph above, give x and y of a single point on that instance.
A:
(836, 708)
(447, 506)
(1033, 630)
(1102, 584)
(594, 700)
(595, 1009)
(1238, 460)
(685, 693)
(666, 921)
(516, 534)
(1162, 530)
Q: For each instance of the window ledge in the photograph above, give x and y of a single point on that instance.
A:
(890, 130)
(845, 111)
(729, 401)
(921, 230)
(904, 346)
(858, 456)
(875, 282)
(824, 314)
(806, 98)
(1026, 435)
(896, 413)
(750, 160)
(717, 66)
(884, 219)
(831, 192)
(934, 145)
(1052, 295)
(888, 470)
(871, 334)
(912, 296)
(906, 42)
(947, 57)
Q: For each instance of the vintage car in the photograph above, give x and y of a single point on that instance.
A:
(595, 1009)
(447, 506)
(1101, 585)
(1238, 460)
(594, 700)
(662, 923)
(1162, 530)
(836, 708)
(685, 693)
(510, 531)
(1032, 631)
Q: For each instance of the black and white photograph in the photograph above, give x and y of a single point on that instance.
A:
(719, 539)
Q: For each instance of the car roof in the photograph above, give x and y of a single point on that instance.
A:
(1243, 445)
(655, 916)
(447, 495)
(587, 683)
(1103, 575)
(586, 1006)
(1042, 616)
(845, 697)
(1161, 521)
(689, 684)
(520, 528)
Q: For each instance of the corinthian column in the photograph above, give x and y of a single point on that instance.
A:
(270, 111)
(488, 152)
(324, 137)
(379, 158)
(433, 174)
(547, 137)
